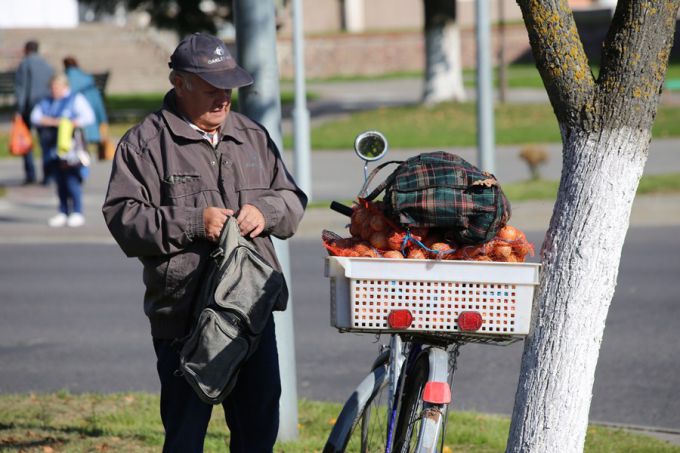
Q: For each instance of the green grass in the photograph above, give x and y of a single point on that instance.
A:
(547, 190)
(446, 125)
(452, 125)
(519, 75)
(666, 183)
(64, 422)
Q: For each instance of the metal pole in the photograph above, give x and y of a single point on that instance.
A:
(502, 66)
(300, 111)
(485, 126)
(256, 46)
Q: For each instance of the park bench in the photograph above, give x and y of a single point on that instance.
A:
(7, 86)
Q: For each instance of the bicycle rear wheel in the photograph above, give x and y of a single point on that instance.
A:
(362, 423)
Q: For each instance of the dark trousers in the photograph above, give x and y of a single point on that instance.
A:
(251, 409)
(29, 164)
(69, 190)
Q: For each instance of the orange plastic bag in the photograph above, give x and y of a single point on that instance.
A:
(20, 139)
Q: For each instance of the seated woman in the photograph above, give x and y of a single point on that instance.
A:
(46, 116)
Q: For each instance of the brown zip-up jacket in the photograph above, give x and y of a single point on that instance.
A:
(164, 174)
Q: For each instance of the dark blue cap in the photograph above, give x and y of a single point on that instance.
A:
(208, 57)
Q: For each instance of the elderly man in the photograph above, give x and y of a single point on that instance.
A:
(176, 178)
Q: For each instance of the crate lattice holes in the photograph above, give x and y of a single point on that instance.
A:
(435, 306)
(365, 290)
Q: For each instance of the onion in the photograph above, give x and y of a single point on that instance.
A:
(503, 251)
(355, 228)
(361, 247)
(393, 254)
(416, 254)
(512, 259)
(471, 251)
(440, 247)
(360, 214)
(523, 250)
(366, 231)
(370, 253)
(395, 240)
(507, 233)
(378, 240)
(378, 223)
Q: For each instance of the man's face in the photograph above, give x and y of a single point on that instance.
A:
(204, 105)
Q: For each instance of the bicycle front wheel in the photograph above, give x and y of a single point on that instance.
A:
(362, 423)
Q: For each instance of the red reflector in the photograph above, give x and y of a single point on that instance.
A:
(400, 319)
(437, 393)
(469, 321)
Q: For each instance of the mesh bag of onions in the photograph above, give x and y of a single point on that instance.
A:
(374, 235)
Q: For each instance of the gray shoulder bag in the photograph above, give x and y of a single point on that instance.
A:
(238, 294)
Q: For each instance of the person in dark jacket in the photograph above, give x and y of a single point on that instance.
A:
(31, 84)
(176, 178)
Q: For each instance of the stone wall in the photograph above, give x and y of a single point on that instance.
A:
(380, 53)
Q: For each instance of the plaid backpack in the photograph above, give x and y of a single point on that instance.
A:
(443, 190)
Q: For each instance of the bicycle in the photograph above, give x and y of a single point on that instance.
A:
(429, 308)
(402, 404)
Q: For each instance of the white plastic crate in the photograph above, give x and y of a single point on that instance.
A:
(365, 290)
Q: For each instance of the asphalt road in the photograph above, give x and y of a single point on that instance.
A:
(71, 318)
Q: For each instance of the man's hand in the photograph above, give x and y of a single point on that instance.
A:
(250, 221)
(214, 219)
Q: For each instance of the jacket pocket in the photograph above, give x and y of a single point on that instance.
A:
(182, 273)
(213, 354)
(250, 183)
(185, 190)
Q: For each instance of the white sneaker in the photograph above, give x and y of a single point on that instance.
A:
(58, 220)
(75, 220)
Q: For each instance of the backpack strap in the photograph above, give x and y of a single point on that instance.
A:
(381, 187)
(228, 240)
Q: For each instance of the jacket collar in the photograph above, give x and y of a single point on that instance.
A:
(180, 127)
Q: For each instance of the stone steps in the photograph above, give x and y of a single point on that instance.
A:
(136, 57)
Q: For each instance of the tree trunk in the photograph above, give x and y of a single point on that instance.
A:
(443, 65)
(606, 131)
(580, 265)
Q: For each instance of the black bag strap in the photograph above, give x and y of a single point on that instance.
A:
(381, 187)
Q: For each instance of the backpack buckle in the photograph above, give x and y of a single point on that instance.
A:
(217, 253)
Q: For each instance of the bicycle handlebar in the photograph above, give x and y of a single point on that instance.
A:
(341, 208)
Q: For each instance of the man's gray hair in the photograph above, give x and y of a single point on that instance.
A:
(185, 76)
